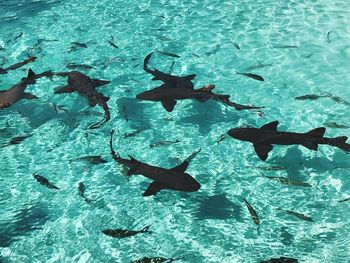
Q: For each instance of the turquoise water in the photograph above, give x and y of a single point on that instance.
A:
(38, 224)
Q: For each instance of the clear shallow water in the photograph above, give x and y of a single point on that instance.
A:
(38, 224)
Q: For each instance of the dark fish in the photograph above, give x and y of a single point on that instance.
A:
(251, 75)
(19, 35)
(272, 168)
(169, 54)
(153, 260)
(17, 65)
(121, 233)
(287, 181)
(309, 97)
(344, 200)
(333, 124)
(259, 65)
(252, 212)
(339, 100)
(42, 180)
(77, 45)
(17, 140)
(329, 36)
(81, 189)
(78, 66)
(298, 215)
(93, 159)
(236, 45)
(131, 134)
(280, 260)
(285, 46)
(162, 143)
(112, 44)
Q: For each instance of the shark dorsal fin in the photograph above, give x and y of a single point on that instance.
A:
(132, 158)
(207, 88)
(318, 132)
(153, 188)
(272, 126)
(181, 167)
(168, 105)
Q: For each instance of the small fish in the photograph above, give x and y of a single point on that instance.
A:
(309, 97)
(259, 65)
(344, 200)
(162, 143)
(77, 45)
(81, 189)
(126, 117)
(78, 66)
(336, 125)
(339, 100)
(298, 215)
(272, 168)
(131, 134)
(18, 36)
(169, 54)
(251, 75)
(42, 180)
(93, 159)
(280, 260)
(17, 140)
(287, 181)
(252, 212)
(329, 36)
(122, 233)
(153, 260)
(236, 45)
(285, 46)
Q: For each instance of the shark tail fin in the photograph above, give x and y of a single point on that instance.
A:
(145, 63)
(30, 77)
(318, 132)
(340, 142)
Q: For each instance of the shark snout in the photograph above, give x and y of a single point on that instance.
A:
(235, 133)
(147, 95)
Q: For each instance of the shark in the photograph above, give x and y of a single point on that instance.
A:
(263, 138)
(86, 87)
(180, 88)
(17, 65)
(174, 178)
(17, 92)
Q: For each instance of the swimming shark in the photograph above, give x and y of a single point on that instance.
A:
(173, 179)
(17, 92)
(180, 88)
(86, 87)
(17, 65)
(263, 138)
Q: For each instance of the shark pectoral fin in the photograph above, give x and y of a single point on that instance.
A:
(168, 105)
(99, 82)
(64, 89)
(272, 126)
(29, 96)
(131, 172)
(262, 150)
(318, 132)
(310, 145)
(181, 168)
(153, 188)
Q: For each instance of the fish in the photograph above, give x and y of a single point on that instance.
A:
(310, 97)
(263, 138)
(287, 181)
(329, 36)
(86, 87)
(285, 46)
(280, 260)
(344, 200)
(236, 45)
(76, 46)
(17, 65)
(252, 212)
(251, 75)
(169, 54)
(259, 65)
(17, 140)
(122, 233)
(78, 66)
(162, 143)
(172, 179)
(81, 189)
(18, 36)
(339, 100)
(93, 159)
(272, 168)
(111, 42)
(153, 260)
(298, 215)
(42, 180)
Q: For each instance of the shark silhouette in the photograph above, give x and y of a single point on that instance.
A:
(263, 138)
(86, 87)
(17, 92)
(180, 88)
(17, 65)
(172, 179)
